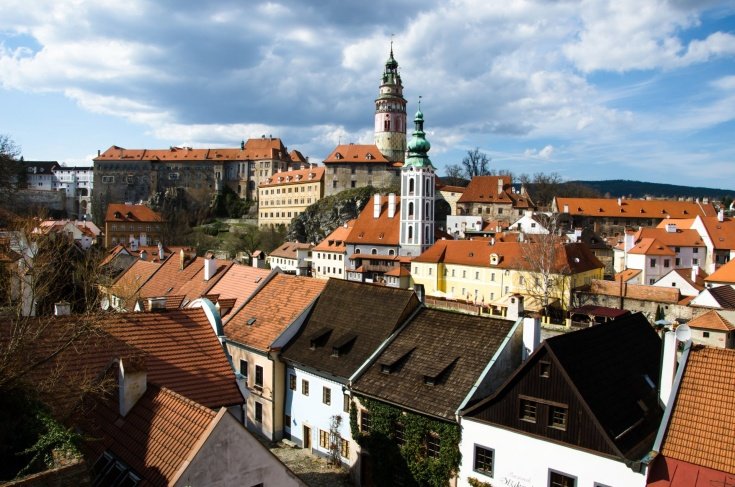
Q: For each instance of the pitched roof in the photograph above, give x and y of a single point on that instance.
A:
(254, 149)
(571, 258)
(238, 282)
(724, 295)
(128, 284)
(374, 313)
(632, 208)
(355, 153)
(726, 273)
(686, 274)
(712, 320)
(183, 353)
(368, 230)
(155, 438)
(678, 238)
(269, 312)
(452, 348)
(635, 291)
(170, 279)
(722, 233)
(197, 286)
(700, 429)
(296, 156)
(289, 250)
(612, 368)
(120, 212)
(627, 274)
(494, 189)
(651, 246)
(297, 176)
(335, 241)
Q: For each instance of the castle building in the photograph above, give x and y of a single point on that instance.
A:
(358, 165)
(285, 195)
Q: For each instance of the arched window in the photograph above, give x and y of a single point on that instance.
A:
(426, 234)
(391, 252)
(410, 210)
(427, 213)
(411, 185)
(428, 188)
(374, 251)
(410, 233)
(357, 251)
(386, 125)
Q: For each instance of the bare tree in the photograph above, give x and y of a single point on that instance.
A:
(10, 169)
(476, 163)
(335, 440)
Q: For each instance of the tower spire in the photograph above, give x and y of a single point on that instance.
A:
(390, 113)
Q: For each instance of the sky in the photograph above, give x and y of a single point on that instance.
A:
(620, 89)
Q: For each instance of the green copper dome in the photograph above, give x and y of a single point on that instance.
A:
(418, 146)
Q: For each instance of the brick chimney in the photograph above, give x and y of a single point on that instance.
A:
(132, 383)
(182, 260)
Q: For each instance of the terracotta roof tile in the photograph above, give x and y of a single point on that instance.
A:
(255, 149)
(170, 279)
(678, 238)
(127, 286)
(722, 233)
(700, 430)
(635, 291)
(456, 346)
(183, 353)
(297, 176)
(154, 438)
(130, 213)
(486, 189)
(651, 246)
(355, 153)
(273, 309)
(726, 273)
(288, 250)
(627, 275)
(238, 283)
(377, 231)
(711, 320)
(632, 208)
(335, 241)
(296, 156)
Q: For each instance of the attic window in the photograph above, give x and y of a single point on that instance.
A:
(118, 214)
(251, 321)
(369, 156)
(437, 371)
(319, 338)
(338, 156)
(642, 210)
(343, 345)
(393, 359)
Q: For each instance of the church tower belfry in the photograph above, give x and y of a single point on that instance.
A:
(418, 183)
(390, 113)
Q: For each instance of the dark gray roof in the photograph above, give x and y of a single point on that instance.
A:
(724, 295)
(434, 361)
(349, 321)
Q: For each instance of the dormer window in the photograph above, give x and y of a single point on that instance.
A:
(392, 360)
(369, 156)
(343, 345)
(319, 338)
(338, 156)
(436, 372)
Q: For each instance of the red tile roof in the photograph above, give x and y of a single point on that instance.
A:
(183, 353)
(355, 153)
(572, 258)
(700, 430)
(130, 213)
(170, 279)
(632, 208)
(726, 274)
(377, 231)
(196, 287)
(711, 320)
(127, 286)
(298, 176)
(255, 149)
(678, 238)
(273, 308)
(238, 283)
(651, 246)
(288, 250)
(155, 438)
(635, 291)
(488, 189)
(721, 232)
(296, 156)
(335, 241)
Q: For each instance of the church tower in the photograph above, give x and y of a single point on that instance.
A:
(417, 194)
(390, 113)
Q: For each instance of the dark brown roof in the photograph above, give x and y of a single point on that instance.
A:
(450, 348)
(367, 313)
(612, 368)
(724, 295)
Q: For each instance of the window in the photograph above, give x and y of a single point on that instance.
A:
(292, 382)
(558, 417)
(558, 479)
(528, 410)
(695, 250)
(304, 387)
(545, 369)
(399, 433)
(108, 179)
(484, 460)
(666, 262)
(677, 262)
(365, 421)
(433, 445)
(705, 334)
(244, 369)
(324, 439)
(258, 412)
(346, 403)
(344, 449)
(653, 262)
(258, 377)
(326, 395)
(695, 261)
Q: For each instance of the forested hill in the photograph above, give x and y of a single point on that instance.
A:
(640, 189)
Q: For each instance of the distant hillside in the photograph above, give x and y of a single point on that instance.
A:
(640, 189)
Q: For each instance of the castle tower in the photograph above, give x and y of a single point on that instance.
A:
(390, 113)
(417, 194)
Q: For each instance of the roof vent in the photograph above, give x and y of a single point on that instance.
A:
(251, 321)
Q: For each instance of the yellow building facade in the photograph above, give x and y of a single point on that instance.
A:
(285, 195)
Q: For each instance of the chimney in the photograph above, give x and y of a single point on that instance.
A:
(668, 366)
(515, 308)
(628, 241)
(566, 208)
(242, 145)
(531, 335)
(182, 260)
(98, 152)
(500, 185)
(376, 206)
(132, 383)
(62, 308)
(620, 201)
(695, 272)
(492, 241)
(391, 205)
(210, 267)
(671, 228)
(721, 215)
(143, 255)
(160, 251)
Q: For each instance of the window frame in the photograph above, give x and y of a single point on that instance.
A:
(483, 471)
(304, 387)
(562, 474)
(258, 412)
(327, 395)
(524, 413)
(258, 384)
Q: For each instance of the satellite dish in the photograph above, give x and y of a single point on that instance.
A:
(105, 303)
(683, 333)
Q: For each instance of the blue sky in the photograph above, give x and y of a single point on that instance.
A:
(589, 89)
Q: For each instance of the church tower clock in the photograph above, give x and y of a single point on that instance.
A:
(390, 113)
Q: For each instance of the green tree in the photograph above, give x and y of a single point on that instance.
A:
(11, 174)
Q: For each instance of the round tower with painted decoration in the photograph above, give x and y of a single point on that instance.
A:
(390, 113)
